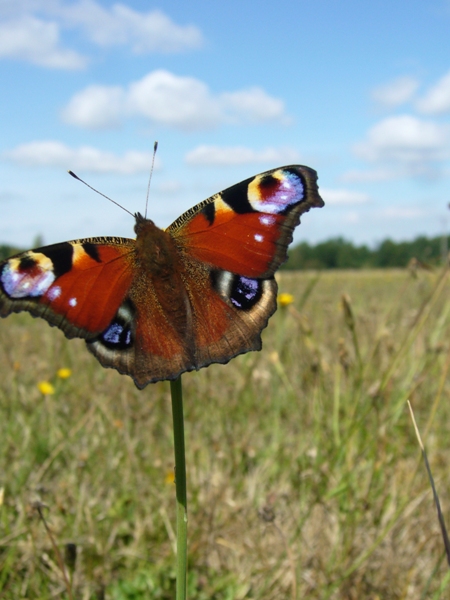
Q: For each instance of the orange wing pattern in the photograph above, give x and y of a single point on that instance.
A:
(77, 286)
(247, 228)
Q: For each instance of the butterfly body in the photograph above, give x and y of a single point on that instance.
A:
(171, 300)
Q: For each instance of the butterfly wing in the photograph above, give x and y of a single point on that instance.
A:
(240, 238)
(247, 228)
(83, 287)
(77, 286)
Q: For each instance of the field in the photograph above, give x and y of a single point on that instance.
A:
(305, 479)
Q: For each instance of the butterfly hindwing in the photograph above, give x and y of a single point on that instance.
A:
(172, 300)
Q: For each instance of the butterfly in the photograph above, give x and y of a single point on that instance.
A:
(174, 300)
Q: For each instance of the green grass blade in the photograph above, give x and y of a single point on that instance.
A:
(180, 485)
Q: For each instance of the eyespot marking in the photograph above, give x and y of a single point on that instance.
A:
(242, 292)
(27, 276)
(245, 292)
(276, 192)
(118, 335)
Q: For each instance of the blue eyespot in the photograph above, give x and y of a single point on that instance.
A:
(245, 292)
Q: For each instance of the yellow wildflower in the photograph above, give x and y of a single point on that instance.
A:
(285, 299)
(46, 388)
(63, 373)
(170, 476)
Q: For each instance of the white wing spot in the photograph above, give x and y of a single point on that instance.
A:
(259, 237)
(73, 302)
(54, 292)
(266, 220)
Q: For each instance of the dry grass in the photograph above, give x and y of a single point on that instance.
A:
(304, 475)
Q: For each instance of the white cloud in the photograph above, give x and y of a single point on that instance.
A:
(411, 142)
(395, 92)
(96, 107)
(343, 197)
(254, 105)
(119, 24)
(30, 30)
(166, 99)
(36, 41)
(437, 100)
(239, 155)
(55, 154)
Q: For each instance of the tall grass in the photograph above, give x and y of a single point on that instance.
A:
(304, 476)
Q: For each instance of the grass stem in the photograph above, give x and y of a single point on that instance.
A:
(180, 486)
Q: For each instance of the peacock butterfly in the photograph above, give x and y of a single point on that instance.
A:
(174, 300)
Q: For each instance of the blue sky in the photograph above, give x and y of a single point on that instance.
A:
(359, 91)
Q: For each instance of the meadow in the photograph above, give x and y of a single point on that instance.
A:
(305, 479)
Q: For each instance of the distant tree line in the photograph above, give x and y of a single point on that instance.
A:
(6, 251)
(339, 253)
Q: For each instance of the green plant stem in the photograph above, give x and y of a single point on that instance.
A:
(180, 486)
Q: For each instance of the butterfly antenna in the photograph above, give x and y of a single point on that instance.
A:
(101, 194)
(155, 148)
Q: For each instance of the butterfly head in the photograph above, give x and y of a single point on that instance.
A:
(141, 223)
(155, 249)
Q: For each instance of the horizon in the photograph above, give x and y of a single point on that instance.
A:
(39, 241)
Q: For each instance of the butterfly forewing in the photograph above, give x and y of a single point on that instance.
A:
(77, 286)
(247, 228)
